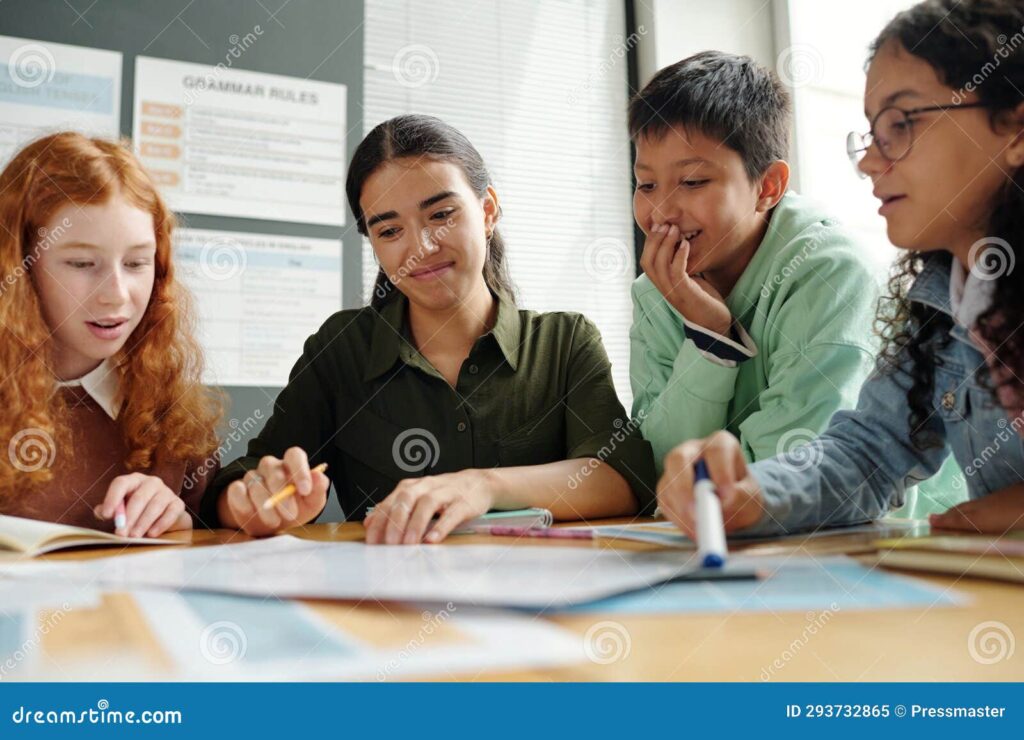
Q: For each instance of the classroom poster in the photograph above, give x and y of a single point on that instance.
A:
(46, 87)
(259, 297)
(230, 142)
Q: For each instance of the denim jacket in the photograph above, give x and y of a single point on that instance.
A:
(861, 465)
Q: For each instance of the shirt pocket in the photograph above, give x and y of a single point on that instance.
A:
(540, 440)
(997, 450)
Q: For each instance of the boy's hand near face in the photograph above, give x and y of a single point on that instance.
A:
(693, 297)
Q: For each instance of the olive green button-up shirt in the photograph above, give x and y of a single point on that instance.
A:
(535, 389)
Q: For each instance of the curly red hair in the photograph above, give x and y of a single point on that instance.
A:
(166, 411)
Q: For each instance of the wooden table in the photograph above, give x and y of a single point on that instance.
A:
(919, 644)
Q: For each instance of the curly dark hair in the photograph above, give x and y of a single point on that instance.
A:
(935, 31)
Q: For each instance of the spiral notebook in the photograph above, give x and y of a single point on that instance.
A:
(535, 517)
(528, 518)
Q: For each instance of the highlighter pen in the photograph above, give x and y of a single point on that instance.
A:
(555, 533)
(710, 528)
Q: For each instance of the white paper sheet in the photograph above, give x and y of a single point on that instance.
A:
(46, 87)
(260, 296)
(232, 638)
(229, 142)
(285, 566)
(16, 595)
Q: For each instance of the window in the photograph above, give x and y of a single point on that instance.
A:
(825, 70)
(541, 91)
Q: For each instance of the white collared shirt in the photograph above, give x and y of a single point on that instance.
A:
(969, 295)
(102, 385)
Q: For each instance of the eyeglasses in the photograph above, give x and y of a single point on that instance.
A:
(892, 130)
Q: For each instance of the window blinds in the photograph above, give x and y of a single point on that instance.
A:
(540, 88)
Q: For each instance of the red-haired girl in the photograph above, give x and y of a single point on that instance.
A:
(105, 419)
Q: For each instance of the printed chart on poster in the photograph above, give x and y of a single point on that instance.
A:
(259, 297)
(229, 142)
(46, 87)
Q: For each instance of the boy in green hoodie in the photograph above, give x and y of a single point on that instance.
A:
(754, 313)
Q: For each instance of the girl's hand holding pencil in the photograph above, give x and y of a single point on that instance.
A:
(279, 494)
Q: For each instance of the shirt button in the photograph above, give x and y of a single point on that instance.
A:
(948, 400)
(461, 426)
(473, 369)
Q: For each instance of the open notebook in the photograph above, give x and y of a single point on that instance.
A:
(32, 537)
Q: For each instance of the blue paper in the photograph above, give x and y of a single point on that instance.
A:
(12, 633)
(792, 583)
(274, 630)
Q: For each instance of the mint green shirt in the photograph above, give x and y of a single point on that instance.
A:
(806, 302)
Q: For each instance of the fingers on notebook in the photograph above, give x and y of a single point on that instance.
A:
(149, 507)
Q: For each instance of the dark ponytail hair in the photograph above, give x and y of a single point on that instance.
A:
(973, 46)
(424, 136)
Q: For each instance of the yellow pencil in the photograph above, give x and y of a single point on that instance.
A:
(288, 490)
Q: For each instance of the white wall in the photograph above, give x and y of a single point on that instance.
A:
(677, 29)
(680, 28)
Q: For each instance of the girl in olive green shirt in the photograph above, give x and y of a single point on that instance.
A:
(440, 398)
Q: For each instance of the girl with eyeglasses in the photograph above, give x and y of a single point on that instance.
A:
(945, 102)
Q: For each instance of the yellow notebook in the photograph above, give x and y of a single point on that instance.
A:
(32, 537)
(987, 557)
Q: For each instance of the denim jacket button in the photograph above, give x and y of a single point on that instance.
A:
(948, 400)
